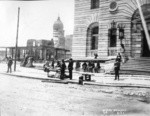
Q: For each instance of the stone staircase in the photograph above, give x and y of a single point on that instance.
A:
(137, 66)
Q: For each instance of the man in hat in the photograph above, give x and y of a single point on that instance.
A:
(70, 68)
(63, 68)
(9, 64)
(117, 68)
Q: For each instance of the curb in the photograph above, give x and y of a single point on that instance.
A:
(23, 76)
(54, 80)
(112, 85)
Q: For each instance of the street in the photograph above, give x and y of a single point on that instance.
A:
(29, 97)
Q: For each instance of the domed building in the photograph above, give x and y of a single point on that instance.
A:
(58, 25)
(58, 34)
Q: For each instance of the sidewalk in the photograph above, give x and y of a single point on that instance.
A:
(99, 79)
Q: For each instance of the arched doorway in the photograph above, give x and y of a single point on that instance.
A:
(112, 39)
(139, 41)
(92, 39)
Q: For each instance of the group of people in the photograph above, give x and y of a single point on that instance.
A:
(60, 68)
(91, 67)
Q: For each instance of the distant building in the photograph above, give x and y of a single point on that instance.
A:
(41, 49)
(68, 42)
(102, 26)
(58, 34)
(2, 54)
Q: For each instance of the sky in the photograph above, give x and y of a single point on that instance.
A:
(36, 20)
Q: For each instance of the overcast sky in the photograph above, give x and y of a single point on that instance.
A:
(36, 20)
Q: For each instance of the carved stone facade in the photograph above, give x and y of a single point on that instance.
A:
(109, 39)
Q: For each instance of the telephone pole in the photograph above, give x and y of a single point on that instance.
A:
(17, 39)
(144, 23)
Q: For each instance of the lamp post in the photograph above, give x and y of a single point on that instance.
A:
(121, 27)
(17, 39)
(113, 24)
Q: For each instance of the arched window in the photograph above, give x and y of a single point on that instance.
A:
(94, 38)
(113, 35)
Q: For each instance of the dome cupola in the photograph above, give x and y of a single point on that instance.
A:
(58, 25)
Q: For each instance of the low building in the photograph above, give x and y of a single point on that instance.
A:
(40, 49)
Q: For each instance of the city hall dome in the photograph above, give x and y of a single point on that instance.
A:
(58, 24)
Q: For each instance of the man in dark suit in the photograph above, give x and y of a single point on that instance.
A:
(70, 68)
(117, 68)
(63, 67)
(9, 64)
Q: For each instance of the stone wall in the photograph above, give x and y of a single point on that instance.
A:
(84, 16)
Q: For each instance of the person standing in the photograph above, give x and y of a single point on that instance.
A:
(84, 67)
(95, 56)
(58, 64)
(119, 58)
(117, 68)
(46, 67)
(97, 68)
(9, 64)
(52, 64)
(93, 66)
(63, 68)
(90, 67)
(70, 68)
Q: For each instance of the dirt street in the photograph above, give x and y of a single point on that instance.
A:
(28, 97)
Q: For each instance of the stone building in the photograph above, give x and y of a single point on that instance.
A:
(107, 26)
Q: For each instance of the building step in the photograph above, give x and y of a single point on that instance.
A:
(137, 65)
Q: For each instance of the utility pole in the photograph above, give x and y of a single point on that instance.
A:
(17, 39)
(144, 23)
(65, 46)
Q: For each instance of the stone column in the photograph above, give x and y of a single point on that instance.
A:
(118, 42)
(103, 39)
